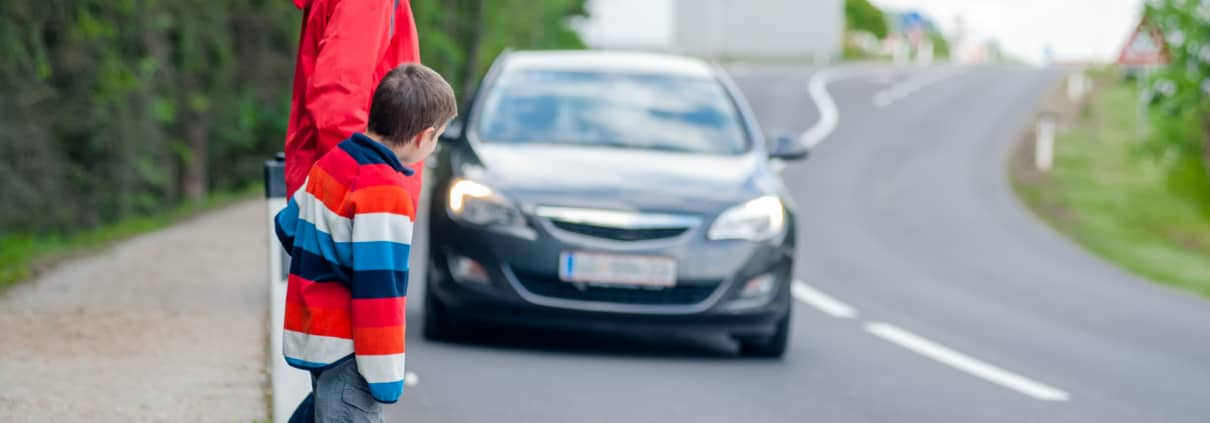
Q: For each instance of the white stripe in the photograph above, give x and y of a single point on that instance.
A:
(966, 363)
(371, 227)
(315, 348)
(817, 87)
(821, 301)
(325, 220)
(916, 83)
(381, 368)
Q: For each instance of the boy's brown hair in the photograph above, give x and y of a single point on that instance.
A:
(408, 100)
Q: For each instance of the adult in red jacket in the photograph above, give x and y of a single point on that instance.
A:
(346, 47)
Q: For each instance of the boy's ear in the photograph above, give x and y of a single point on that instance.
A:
(419, 139)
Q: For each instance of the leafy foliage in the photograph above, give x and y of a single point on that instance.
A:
(114, 109)
(861, 15)
(1181, 91)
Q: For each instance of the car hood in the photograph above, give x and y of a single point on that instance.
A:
(623, 179)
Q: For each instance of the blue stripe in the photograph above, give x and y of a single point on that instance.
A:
(315, 268)
(302, 364)
(377, 255)
(285, 224)
(311, 365)
(283, 237)
(369, 284)
(387, 392)
(380, 255)
(320, 243)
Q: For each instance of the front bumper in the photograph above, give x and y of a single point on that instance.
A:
(523, 286)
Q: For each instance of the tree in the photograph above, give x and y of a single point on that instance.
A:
(1181, 106)
(118, 108)
(861, 15)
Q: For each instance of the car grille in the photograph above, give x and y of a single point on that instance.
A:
(685, 293)
(619, 234)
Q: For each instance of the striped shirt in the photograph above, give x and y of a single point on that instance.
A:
(349, 232)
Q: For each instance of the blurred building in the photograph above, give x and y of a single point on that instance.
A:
(741, 29)
(759, 29)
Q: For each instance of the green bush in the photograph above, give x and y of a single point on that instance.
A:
(112, 110)
(861, 15)
(1180, 92)
(121, 108)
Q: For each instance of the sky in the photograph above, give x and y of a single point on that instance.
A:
(1074, 29)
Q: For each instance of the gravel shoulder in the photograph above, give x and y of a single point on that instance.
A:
(167, 326)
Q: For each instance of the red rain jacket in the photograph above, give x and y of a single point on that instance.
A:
(346, 47)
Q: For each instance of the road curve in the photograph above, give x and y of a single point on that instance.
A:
(964, 306)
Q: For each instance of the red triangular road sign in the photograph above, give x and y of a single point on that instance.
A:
(1145, 47)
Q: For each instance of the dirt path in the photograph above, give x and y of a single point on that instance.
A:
(169, 326)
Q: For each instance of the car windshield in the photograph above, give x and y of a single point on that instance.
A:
(587, 108)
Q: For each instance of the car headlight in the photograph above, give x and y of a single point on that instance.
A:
(475, 203)
(758, 220)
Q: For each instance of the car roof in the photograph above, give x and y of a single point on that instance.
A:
(609, 61)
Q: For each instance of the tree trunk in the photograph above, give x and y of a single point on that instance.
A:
(451, 26)
(194, 127)
(470, 69)
(1206, 142)
(195, 168)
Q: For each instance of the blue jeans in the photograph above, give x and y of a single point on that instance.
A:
(338, 394)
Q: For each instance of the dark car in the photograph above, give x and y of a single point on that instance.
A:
(610, 190)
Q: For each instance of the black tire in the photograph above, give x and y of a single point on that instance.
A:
(437, 325)
(768, 346)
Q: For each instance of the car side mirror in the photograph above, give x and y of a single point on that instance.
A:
(453, 131)
(786, 146)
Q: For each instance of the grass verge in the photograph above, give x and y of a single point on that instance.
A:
(1149, 216)
(22, 255)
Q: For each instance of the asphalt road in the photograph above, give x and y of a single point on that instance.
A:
(948, 300)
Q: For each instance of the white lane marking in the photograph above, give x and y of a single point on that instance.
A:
(966, 363)
(903, 89)
(410, 379)
(829, 116)
(833, 307)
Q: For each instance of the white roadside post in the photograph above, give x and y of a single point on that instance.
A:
(1077, 86)
(1044, 144)
(289, 385)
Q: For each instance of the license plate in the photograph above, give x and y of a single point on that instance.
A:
(612, 269)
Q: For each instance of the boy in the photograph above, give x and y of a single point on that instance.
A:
(349, 230)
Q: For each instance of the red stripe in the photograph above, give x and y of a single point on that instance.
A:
(327, 189)
(384, 199)
(338, 163)
(379, 174)
(318, 321)
(316, 294)
(378, 312)
(379, 341)
(318, 308)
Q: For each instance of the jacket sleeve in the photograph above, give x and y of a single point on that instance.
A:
(382, 240)
(338, 92)
(409, 39)
(285, 223)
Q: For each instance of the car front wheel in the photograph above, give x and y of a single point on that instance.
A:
(437, 325)
(773, 346)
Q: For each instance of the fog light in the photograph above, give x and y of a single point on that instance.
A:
(466, 270)
(759, 286)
